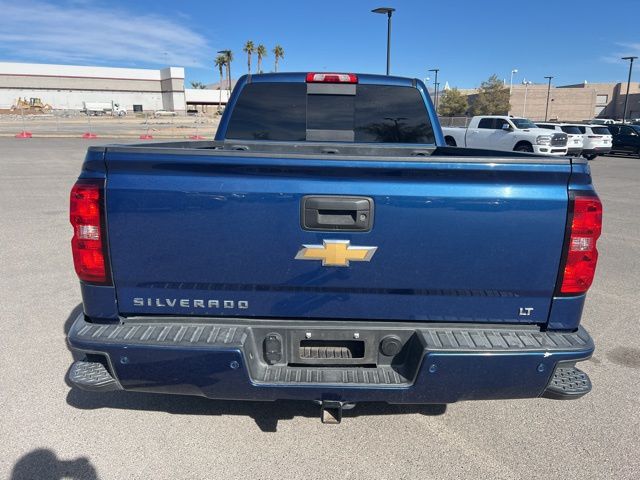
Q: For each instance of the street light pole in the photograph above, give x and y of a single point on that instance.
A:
(626, 97)
(526, 88)
(546, 110)
(515, 70)
(435, 83)
(389, 12)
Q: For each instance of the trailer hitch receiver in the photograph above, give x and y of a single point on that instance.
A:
(331, 410)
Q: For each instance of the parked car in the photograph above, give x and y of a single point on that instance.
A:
(602, 121)
(575, 141)
(596, 140)
(165, 113)
(626, 139)
(333, 258)
(498, 132)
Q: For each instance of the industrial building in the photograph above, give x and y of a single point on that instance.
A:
(582, 101)
(570, 103)
(205, 99)
(68, 87)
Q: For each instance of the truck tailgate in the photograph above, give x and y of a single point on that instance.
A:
(210, 234)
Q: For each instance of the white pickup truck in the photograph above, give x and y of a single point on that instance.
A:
(506, 133)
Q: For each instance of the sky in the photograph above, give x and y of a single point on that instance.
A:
(468, 40)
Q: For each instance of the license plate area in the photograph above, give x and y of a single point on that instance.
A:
(332, 348)
(328, 349)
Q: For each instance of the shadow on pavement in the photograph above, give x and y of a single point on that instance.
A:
(44, 465)
(265, 414)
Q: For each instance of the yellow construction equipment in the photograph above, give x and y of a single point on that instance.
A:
(32, 105)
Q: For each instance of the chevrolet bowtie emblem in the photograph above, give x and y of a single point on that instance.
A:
(336, 253)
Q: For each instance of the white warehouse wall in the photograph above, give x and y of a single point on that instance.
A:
(73, 100)
(69, 86)
(206, 96)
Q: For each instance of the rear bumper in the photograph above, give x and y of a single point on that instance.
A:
(437, 364)
(596, 151)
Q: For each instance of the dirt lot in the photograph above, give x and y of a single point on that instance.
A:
(75, 125)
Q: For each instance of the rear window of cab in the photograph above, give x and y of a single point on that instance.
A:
(287, 112)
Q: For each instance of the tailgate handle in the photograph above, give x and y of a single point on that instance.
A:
(350, 214)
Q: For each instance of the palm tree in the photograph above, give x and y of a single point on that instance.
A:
(221, 62)
(278, 52)
(228, 57)
(198, 85)
(262, 52)
(249, 48)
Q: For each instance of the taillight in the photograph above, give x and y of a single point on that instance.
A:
(581, 252)
(332, 78)
(86, 212)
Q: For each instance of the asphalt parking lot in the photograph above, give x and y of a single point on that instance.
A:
(48, 430)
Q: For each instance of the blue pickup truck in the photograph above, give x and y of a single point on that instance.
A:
(327, 246)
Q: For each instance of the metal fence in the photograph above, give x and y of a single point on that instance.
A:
(464, 121)
(454, 121)
(74, 124)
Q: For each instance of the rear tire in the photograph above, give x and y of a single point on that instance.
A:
(523, 147)
(590, 156)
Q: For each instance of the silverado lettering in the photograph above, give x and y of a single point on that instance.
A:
(188, 303)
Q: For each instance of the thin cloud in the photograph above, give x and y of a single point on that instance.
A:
(624, 50)
(84, 32)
